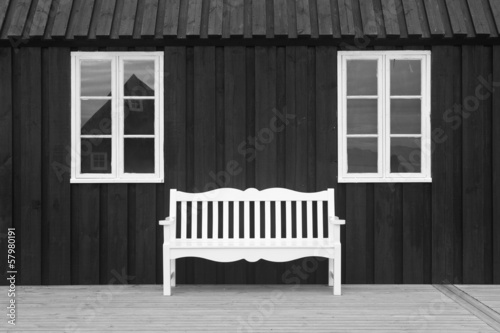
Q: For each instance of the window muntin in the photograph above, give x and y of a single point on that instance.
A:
(384, 116)
(117, 118)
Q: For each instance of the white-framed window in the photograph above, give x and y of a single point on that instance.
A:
(117, 117)
(384, 116)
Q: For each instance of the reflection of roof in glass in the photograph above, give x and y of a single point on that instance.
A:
(134, 84)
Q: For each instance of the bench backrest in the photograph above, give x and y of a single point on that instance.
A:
(270, 213)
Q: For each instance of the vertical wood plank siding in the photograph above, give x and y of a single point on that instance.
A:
(244, 116)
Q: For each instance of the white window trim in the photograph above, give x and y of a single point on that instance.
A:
(384, 175)
(117, 175)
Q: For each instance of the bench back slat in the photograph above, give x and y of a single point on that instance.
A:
(246, 212)
(204, 220)
(261, 209)
(288, 219)
(278, 219)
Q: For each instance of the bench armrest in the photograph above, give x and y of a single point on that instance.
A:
(335, 220)
(168, 221)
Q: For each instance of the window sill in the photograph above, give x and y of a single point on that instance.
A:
(115, 181)
(383, 180)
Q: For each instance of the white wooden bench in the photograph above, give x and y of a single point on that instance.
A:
(246, 228)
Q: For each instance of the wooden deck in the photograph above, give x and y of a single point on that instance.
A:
(252, 308)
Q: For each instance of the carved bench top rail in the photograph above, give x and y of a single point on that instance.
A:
(252, 194)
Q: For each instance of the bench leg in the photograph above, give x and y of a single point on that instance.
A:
(172, 269)
(330, 272)
(166, 271)
(337, 272)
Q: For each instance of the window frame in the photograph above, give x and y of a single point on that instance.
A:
(117, 135)
(383, 117)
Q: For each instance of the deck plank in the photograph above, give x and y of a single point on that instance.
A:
(233, 307)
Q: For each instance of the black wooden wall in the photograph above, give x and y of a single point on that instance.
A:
(217, 99)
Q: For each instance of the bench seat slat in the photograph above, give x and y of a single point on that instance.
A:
(194, 220)
(313, 242)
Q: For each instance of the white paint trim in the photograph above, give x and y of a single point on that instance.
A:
(384, 98)
(117, 136)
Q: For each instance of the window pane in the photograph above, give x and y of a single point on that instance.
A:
(139, 78)
(139, 155)
(362, 116)
(96, 117)
(95, 155)
(405, 77)
(406, 155)
(362, 155)
(95, 78)
(139, 116)
(406, 116)
(361, 77)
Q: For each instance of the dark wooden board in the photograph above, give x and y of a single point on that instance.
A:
(233, 172)
(477, 173)
(496, 169)
(388, 263)
(266, 150)
(456, 16)
(303, 18)
(280, 18)
(40, 18)
(61, 19)
(171, 17)
(390, 18)
(346, 18)
(258, 17)
(325, 26)
(5, 154)
(495, 9)
(424, 22)
(193, 18)
(150, 15)
(143, 258)
(176, 165)
(368, 19)
(379, 19)
(337, 31)
(236, 13)
(81, 22)
(56, 187)
(433, 11)
(4, 5)
(127, 18)
(204, 128)
(413, 233)
(479, 19)
(358, 215)
(446, 164)
(291, 19)
(215, 18)
(105, 18)
(18, 14)
(182, 20)
(412, 18)
(85, 236)
(27, 112)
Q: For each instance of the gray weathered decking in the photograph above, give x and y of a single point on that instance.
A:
(249, 308)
